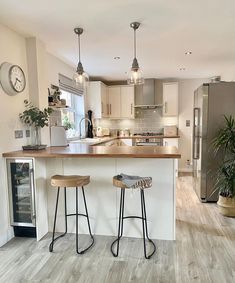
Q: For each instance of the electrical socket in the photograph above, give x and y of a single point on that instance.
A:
(18, 134)
(27, 133)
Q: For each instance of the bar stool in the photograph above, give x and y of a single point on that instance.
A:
(141, 184)
(70, 181)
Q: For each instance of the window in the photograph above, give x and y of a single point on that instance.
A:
(71, 116)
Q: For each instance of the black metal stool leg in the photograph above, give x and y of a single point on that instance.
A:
(120, 223)
(77, 220)
(88, 223)
(145, 228)
(65, 215)
(53, 234)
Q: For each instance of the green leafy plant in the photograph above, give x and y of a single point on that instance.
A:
(67, 124)
(224, 144)
(33, 116)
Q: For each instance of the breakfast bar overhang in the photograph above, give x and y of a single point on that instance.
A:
(102, 163)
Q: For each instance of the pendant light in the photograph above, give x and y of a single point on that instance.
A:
(80, 77)
(135, 76)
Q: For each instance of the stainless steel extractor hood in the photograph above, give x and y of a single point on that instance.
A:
(146, 95)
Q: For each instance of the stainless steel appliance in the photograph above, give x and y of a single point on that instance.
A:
(148, 139)
(21, 187)
(211, 102)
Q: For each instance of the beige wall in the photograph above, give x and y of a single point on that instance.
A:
(12, 50)
(16, 49)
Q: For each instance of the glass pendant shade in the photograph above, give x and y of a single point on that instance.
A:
(135, 77)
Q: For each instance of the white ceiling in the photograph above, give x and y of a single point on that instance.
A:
(168, 29)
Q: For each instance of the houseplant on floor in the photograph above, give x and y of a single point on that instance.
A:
(224, 144)
(37, 119)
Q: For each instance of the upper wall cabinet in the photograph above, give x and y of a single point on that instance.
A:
(97, 99)
(127, 102)
(170, 99)
(114, 95)
(121, 101)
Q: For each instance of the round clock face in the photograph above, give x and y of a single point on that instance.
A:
(12, 78)
(17, 78)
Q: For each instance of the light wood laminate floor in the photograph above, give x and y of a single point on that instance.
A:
(204, 251)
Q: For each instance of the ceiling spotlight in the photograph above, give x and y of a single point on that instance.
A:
(135, 76)
(188, 53)
(117, 58)
(80, 77)
(182, 69)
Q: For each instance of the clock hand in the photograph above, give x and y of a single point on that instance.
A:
(18, 80)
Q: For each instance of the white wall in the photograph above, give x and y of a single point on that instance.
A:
(12, 50)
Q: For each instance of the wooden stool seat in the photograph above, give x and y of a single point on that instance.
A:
(69, 181)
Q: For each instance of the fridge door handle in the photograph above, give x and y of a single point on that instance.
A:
(33, 215)
(196, 113)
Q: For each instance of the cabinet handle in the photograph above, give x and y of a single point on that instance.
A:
(107, 109)
(32, 193)
(110, 109)
(131, 108)
(102, 110)
(166, 107)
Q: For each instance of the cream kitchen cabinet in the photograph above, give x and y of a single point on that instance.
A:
(121, 101)
(114, 96)
(170, 99)
(172, 142)
(97, 99)
(127, 102)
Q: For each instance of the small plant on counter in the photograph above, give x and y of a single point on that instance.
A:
(224, 144)
(37, 119)
(33, 116)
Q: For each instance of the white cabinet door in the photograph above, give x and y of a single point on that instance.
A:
(170, 99)
(114, 93)
(172, 142)
(127, 102)
(104, 101)
(97, 99)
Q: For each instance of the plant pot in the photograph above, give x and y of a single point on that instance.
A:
(226, 206)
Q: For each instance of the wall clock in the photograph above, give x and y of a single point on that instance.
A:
(12, 78)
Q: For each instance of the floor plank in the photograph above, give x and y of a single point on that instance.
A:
(204, 251)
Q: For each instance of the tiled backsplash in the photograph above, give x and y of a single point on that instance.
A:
(147, 120)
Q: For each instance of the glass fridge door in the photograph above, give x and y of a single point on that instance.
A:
(21, 192)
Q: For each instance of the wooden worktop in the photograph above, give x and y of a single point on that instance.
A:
(83, 150)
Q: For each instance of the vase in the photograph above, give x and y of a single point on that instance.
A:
(35, 136)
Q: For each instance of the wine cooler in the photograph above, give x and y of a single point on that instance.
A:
(21, 187)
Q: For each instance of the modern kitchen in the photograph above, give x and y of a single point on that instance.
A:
(117, 142)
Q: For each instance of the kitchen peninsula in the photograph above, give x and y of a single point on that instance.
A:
(102, 163)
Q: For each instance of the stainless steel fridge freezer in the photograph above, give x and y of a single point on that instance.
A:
(211, 102)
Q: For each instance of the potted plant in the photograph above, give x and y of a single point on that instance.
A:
(224, 144)
(37, 119)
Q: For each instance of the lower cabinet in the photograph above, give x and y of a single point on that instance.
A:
(172, 142)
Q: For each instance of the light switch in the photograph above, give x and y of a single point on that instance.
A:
(187, 123)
